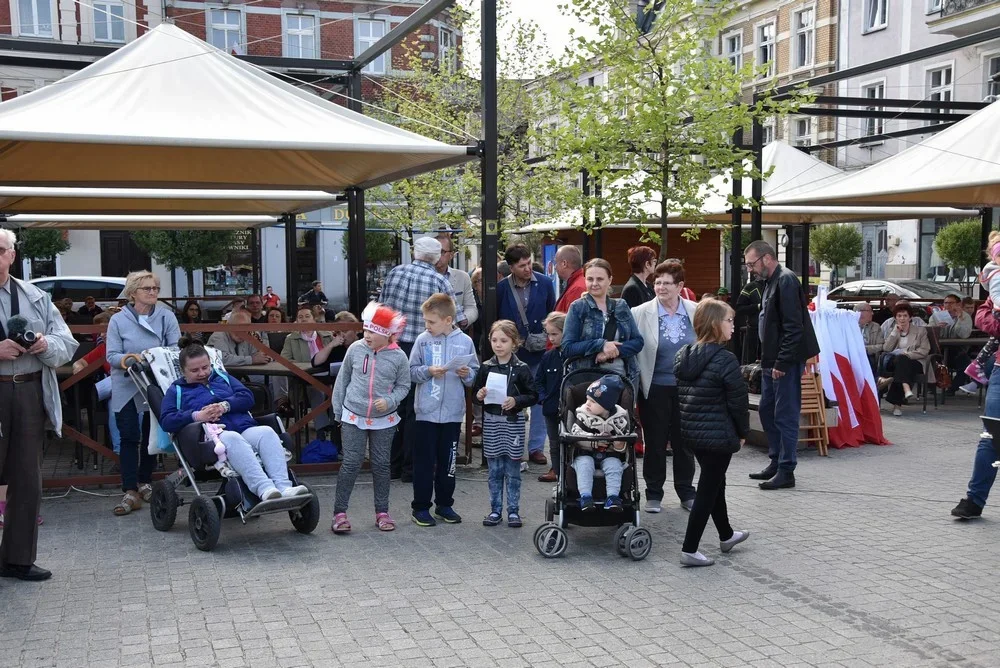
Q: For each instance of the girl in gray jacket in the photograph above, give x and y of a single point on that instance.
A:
(373, 380)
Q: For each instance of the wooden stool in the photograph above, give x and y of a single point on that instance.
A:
(814, 409)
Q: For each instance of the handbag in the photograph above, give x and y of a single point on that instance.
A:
(752, 376)
(535, 341)
(942, 376)
(617, 365)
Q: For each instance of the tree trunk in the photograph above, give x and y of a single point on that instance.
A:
(663, 212)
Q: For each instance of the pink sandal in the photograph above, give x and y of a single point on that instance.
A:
(384, 522)
(340, 524)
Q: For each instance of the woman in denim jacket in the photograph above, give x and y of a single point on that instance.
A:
(587, 320)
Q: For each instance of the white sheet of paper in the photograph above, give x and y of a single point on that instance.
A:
(459, 361)
(496, 388)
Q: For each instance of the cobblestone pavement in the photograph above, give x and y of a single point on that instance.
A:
(860, 565)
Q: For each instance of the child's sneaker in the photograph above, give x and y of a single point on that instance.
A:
(974, 372)
(586, 503)
(447, 514)
(614, 504)
(492, 520)
(422, 518)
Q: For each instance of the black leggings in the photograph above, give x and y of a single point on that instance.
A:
(903, 370)
(710, 500)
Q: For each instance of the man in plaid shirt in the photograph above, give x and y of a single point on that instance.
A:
(406, 288)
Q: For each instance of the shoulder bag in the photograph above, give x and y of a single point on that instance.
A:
(535, 341)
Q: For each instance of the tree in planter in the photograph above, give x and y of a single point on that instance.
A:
(188, 249)
(662, 125)
(835, 245)
(958, 245)
(41, 244)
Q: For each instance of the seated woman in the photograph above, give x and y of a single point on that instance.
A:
(206, 395)
(904, 351)
(302, 347)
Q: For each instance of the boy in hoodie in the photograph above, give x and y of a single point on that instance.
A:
(600, 415)
(439, 405)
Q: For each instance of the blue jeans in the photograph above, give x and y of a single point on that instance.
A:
(780, 405)
(504, 469)
(135, 461)
(584, 466)
(536, 424)
(983, 473)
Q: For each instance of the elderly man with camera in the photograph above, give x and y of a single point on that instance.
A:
(34, 340)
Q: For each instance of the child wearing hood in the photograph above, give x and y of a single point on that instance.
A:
(373, 380)
(600, 415)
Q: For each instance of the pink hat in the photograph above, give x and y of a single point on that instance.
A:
(381, 319)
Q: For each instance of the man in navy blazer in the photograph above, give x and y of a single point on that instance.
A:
(538, 298)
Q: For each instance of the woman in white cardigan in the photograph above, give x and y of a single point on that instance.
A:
(665, 324)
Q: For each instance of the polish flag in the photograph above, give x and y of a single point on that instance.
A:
(847, 377)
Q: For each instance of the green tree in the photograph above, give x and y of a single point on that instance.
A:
(186, 249)
(959, 246)
(662, 125)
(835, 245)
(36, 244)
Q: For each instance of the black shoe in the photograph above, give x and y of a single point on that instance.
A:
(31, 573)
(967, 509)
(781, 480)
(766, 474)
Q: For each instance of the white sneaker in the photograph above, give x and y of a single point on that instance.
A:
(269, 494)
(737, 538)
(652, 506)
(695, 559)
(897, 412)
(969, 389)
(297, 490)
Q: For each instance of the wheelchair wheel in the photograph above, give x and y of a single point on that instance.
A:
(204, 523)
(621, 539)
(306, 518)
(551, 541)
(640, 542)
(163, 505)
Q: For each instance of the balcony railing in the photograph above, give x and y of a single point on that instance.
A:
(952, 7)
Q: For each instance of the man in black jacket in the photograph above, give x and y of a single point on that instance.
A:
(787, 341)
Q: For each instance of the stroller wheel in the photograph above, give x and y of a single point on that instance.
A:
(163, 505)
(550, 510)
(204, 523)
(550, 541)
(306, 518)
(640, 542)
(621, 539)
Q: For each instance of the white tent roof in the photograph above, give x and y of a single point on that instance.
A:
(170, 111)
(959, 166)
(129, 222)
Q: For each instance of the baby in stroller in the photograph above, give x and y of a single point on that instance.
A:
(600, 415)
(206, 394)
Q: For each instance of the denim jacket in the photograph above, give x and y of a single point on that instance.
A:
(583, 335)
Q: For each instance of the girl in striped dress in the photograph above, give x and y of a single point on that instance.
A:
(504, 422)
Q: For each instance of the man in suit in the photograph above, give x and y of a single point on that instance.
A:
(787, 341)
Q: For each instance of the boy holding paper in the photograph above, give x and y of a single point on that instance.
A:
(442, 364)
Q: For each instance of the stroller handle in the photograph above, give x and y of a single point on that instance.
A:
(130, 359)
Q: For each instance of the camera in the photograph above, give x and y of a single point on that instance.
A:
(25, 339)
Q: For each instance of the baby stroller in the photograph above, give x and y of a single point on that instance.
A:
(563, 508)
(153, 372)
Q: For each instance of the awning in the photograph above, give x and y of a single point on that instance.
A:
(128, 222)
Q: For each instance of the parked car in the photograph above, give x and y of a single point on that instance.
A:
(105, 289)
(874, 291)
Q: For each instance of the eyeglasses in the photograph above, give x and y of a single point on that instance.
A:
(150, 288)
(4, 250)
(751, 265)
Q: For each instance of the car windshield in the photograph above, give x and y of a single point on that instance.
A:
(927, 289)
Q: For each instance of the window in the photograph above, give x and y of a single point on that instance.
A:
(109, 21)
(804, 41)
(874, 126)
(35, 18)
(765, 48)
(992, 68)
(768, 133)
(225, 30)
(933, 6)
(802, 132)
(876, 14)
(732, 49)
(300, 36)
(939, 87)
(369, 32)
(447, 55)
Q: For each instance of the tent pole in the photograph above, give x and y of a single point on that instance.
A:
(255, 259)
(986, 218)
(291, 239)
(788, 246)
(805, 258)
(489, 205)
(757, 189)
(736, 245)
(357, 275)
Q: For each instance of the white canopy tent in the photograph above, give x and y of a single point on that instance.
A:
(958, 166)
(170, 111)
(132, 222)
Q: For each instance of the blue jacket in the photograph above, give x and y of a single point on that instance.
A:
(176, 414)
(548, 378)
(440, 400)
(583, 335)
(541, 302)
